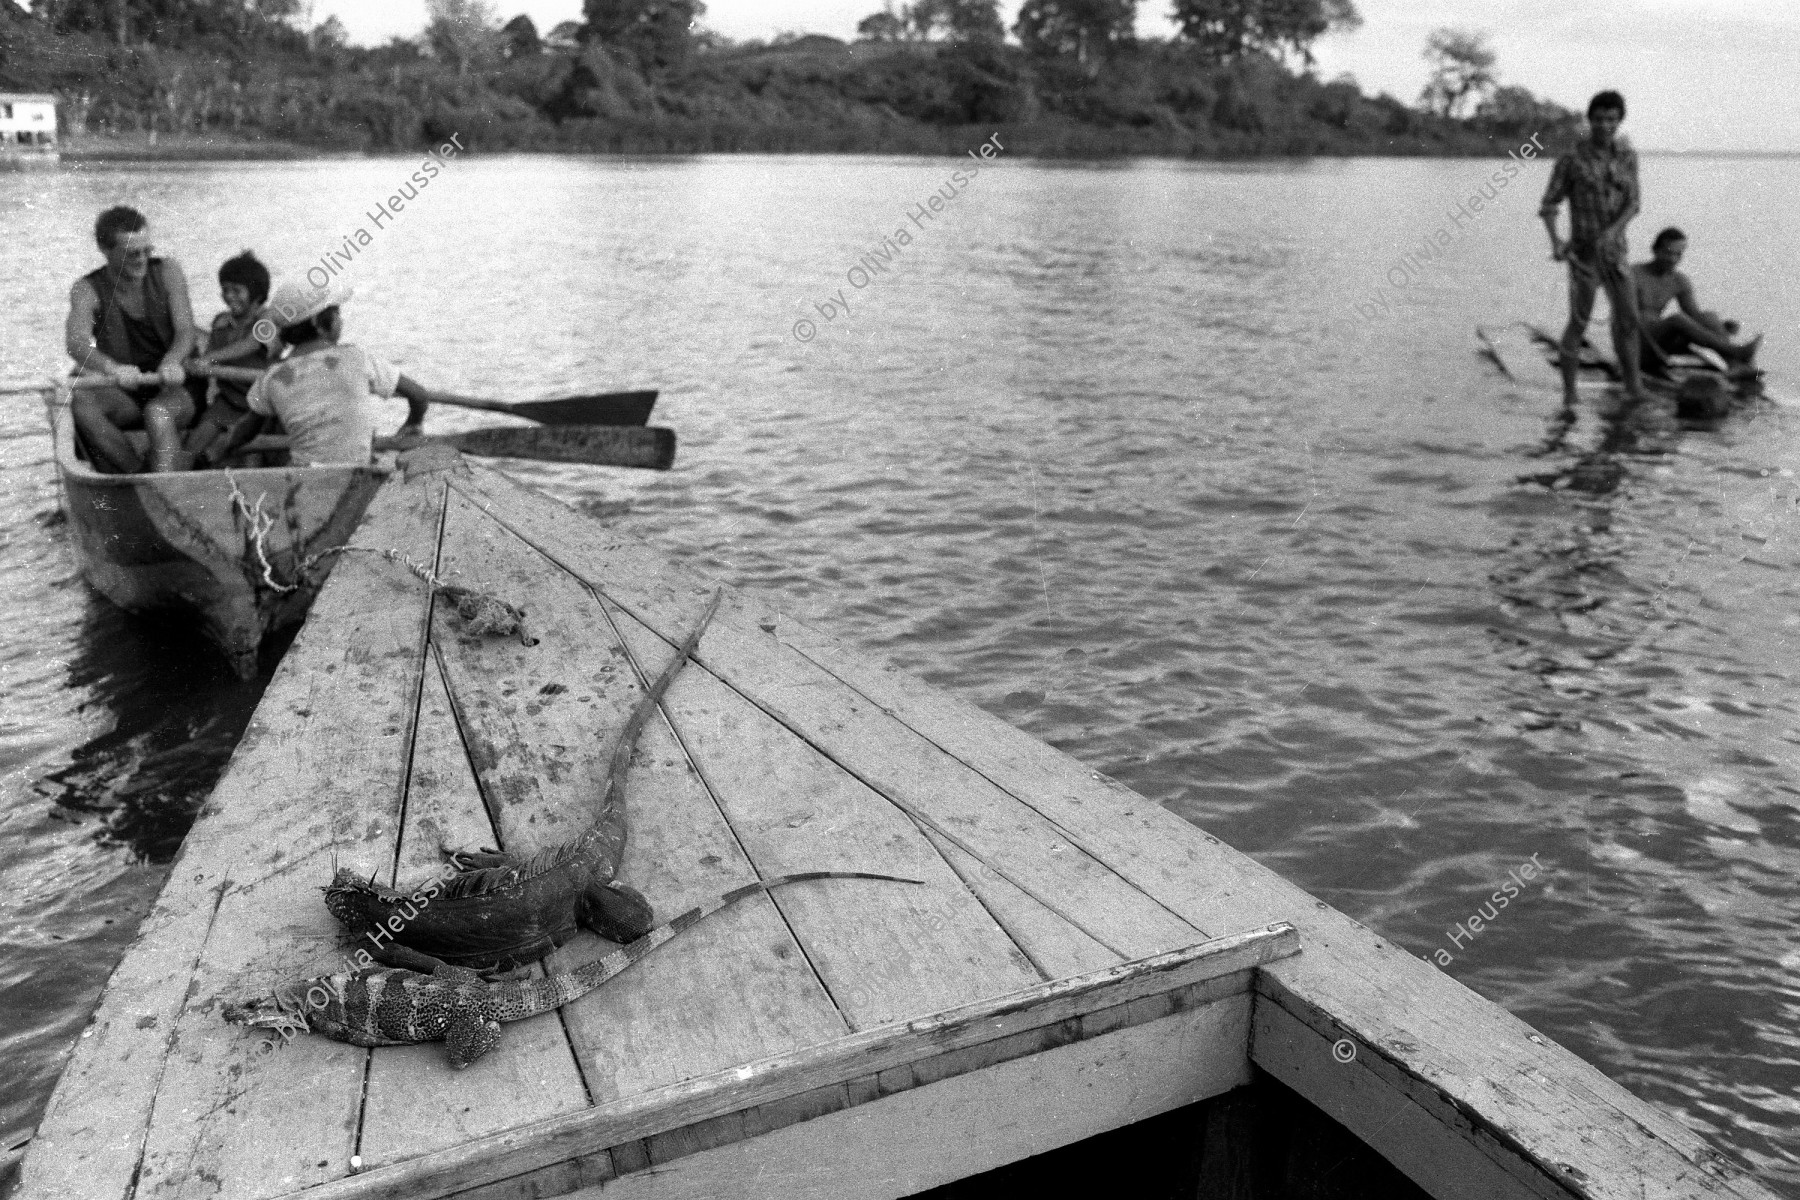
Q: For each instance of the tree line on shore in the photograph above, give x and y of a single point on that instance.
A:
(641, 76)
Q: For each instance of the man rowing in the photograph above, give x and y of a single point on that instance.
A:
(1658, 282)
(131, 319)
(1599, 179)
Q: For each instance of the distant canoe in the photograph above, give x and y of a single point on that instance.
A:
(1078, 964)
(244, 551)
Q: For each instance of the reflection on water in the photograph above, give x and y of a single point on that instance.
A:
(85, 844)
(172, 711)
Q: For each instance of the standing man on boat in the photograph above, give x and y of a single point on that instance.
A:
(1658, 282)
(132, 320)
(1599, 179)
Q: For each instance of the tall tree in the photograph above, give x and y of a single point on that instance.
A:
(1516, 110)
(1085, 30)
(1462, 69)
(958, 20)
(884, 26)
(657, 33)
(564, 35)
(920, 19)
(1226, 29)
(173, 21)
(328, 35)
(108, 17)
(461, 32)
(973, 20)
(1296, 24)
(277, 10)
(519, 37)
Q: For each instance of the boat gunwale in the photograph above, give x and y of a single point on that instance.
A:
(75, 469)
(630, 573)
(1509, 1095)
(1212, 970)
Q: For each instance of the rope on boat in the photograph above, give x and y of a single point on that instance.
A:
(260, 524)
(482, 612)
(417, 568)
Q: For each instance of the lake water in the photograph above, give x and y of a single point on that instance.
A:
(1109, 451)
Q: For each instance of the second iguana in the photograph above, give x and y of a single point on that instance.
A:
(430, 1001)
(498, 911)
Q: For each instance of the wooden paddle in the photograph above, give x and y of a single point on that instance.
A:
(600, 408)
(651, 447)
(604, 408)
(19, 387)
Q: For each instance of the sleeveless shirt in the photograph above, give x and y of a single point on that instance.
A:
(139, 342)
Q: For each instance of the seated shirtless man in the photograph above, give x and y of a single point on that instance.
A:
(132, 320)
(1658, 282)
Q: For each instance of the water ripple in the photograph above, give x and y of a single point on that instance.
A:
(1109, 453)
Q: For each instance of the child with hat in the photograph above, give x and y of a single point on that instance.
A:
(321, 391)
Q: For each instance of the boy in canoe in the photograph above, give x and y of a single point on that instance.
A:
(239, 338)
(1658, 282)
(1599, 179)
(130, 319)
(321, 391)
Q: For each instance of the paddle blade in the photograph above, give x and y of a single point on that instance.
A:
(652, 447)
(609, 408)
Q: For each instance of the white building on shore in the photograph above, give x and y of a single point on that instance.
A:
(27, 128)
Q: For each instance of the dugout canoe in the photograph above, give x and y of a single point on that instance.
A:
(242, 552)
(1697, 386)
(1087, 995)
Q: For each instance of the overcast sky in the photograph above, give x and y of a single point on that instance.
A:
(1697, 74)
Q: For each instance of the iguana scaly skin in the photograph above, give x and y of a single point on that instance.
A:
(392, 1006)
(501, 910)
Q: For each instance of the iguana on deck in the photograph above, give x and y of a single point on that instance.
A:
(502, 910)
(395, 1006)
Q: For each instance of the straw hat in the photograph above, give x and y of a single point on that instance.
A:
(294, 300)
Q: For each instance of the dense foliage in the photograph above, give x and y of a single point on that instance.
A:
(1462, 68)
(645, 76)
(1228, 28)
(1083, 30)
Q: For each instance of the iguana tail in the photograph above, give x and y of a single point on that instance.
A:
(621, 760)
(558, 990)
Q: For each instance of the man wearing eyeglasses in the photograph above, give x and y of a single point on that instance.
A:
(132, 320)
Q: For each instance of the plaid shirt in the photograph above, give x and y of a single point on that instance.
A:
(1599, 186)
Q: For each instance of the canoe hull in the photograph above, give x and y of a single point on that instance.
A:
(1700, 389)
(243, 552)
(864, 1040)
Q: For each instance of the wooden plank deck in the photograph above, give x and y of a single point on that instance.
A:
(1077, 958)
